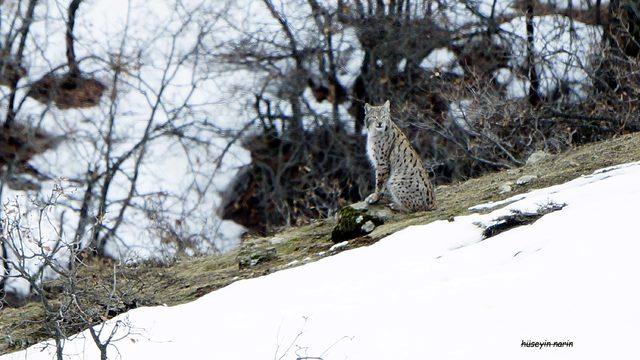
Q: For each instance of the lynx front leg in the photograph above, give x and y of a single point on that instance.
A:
(382, 175)
(373, 198)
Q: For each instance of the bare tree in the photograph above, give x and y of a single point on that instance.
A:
(35, 258)
(107, 185)
(534, 82)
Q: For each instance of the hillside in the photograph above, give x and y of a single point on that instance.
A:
(188, 279)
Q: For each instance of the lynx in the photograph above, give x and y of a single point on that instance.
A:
(400, 173)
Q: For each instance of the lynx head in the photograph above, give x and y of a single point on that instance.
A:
(377, 119)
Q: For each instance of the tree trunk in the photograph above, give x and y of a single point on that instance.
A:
(24, 31)
(71, 54)
(534, 82)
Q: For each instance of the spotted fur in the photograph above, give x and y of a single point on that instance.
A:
(400, 173)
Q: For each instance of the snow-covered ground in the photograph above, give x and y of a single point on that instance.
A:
(563, 49)
(436, 291)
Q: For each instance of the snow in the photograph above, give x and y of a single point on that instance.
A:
(442, 59)
(563, 50)
(584, 180)
(574, 4)
(515, 86)
(454, 15)
(458, 113)
(430, 291)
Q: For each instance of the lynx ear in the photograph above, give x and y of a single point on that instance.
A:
(367, 107)
(387, 105)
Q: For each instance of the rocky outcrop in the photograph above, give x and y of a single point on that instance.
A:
(359, 219)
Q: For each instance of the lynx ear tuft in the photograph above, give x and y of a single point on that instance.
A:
(387, 105)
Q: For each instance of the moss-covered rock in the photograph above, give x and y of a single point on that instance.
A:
(355, 221)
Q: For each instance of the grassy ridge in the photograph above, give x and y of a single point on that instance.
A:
(187, 279)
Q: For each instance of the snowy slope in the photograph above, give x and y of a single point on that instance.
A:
(432, 291)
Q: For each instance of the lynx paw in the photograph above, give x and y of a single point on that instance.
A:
(395, 207)
(373, 198)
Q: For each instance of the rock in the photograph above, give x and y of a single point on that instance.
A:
(537, 156)
(368, 226)
(276, 240)
(380, 211)
(362, 205)
(357, 220)
(252, 256)
(526, 179)
(505, 188)
(338, 246)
